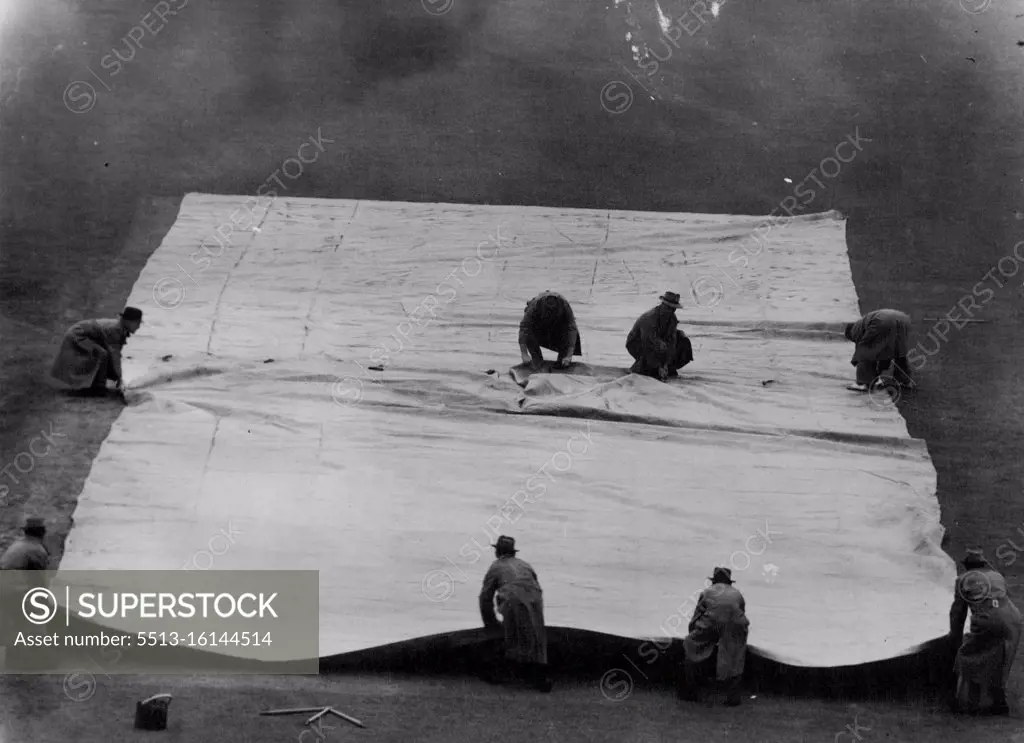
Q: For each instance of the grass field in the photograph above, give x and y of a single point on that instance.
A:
(500, 103)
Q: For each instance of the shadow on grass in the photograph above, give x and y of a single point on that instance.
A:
(616, 662)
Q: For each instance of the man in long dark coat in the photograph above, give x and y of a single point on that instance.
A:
(719, 623)
(986, 654)
(521, 602)
(549, 322)
(659, 348)
(91, 353)
(882, 338)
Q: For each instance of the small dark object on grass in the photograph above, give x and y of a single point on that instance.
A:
(268, 361)
(766, 382)
(489, 371)
(376, 368)
(168, 357)
(151, 714)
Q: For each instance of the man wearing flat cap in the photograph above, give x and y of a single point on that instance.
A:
(986, 654)
(548, 322)
(27, 552)
(719, 623)
(91, 353)
(882, 341)
(658, 347)
(521, 604)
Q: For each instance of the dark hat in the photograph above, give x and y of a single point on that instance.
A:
(671, 299)
(34, 522)
(721, 575)
(505, 545)
(974, 558)
(132, 314)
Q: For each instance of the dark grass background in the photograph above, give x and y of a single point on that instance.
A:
(499, 103)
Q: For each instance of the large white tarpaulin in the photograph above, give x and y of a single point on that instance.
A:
(260, 435)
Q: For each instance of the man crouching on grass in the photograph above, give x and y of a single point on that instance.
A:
(27, 553)
(882, 338)
(91, 354)
(521, 603)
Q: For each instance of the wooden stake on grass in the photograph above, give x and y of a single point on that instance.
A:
(346, 718)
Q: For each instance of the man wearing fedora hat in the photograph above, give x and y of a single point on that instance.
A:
(91, 353)
(658, 347)
(549, 322)
(882, 341)
(719, 623)
(524, 645)
(985, 656)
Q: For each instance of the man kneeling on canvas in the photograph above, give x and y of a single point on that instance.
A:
(719, 624)
(549, 322)
(659, 348)
(882, 338)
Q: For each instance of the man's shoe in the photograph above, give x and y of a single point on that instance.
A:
(687, 692)
(496, 674)
(90, 392)
(857, 387)
(734, 694)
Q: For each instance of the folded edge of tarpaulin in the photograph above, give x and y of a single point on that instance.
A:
(206, 391)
